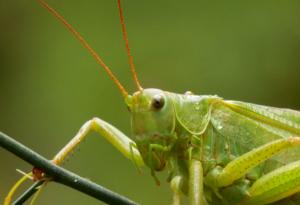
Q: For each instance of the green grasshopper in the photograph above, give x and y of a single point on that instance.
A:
(217, 152)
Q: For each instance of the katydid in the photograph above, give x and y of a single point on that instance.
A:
(217, 152)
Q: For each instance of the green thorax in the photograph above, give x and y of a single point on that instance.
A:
(163, 119)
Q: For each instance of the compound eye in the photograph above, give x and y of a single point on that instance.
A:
(158, 102)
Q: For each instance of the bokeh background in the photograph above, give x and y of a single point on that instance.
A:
(50, 85)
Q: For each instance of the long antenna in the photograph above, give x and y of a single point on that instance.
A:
(130, 58)
(86, 45)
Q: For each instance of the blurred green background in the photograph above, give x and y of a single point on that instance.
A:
(50, 85)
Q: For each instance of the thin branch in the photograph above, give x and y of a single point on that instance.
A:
(28, 193)
(61, 175)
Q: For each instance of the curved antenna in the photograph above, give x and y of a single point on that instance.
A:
(130, 58)
(86, 45)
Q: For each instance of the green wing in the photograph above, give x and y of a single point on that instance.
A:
(246, 126)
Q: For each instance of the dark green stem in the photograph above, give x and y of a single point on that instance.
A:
(28, 193)
(61, 175)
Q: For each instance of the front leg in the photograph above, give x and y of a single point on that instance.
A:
(176, 185)
(196, 196)
(194, 182)
(119, 140)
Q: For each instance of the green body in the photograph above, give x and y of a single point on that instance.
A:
(214, 132)
(217, 152)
